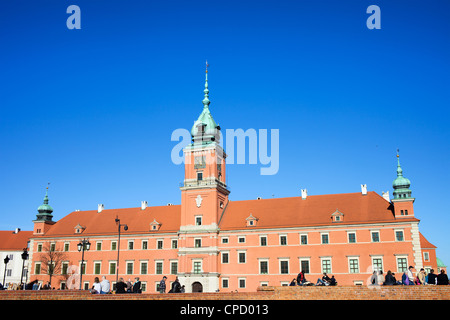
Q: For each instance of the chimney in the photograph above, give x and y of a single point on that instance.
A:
(100, 208)
(364, 189)
(386, 196)
(304, 194)
(144, 204)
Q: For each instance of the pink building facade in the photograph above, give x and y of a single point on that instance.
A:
(212, 243)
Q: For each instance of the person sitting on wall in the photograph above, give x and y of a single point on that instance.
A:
(325, 281)
(293, 283)
(301, 278)
(333, 281)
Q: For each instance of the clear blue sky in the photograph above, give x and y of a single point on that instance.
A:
(92, 111)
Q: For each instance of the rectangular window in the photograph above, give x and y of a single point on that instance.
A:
(263, 267)
(399, 235)
(97, 267)
(174, 244)
(199, 176)
(198, 220)
(325, 239)
(130, 245)
(241, 239)
(159, 244)
(353, 265)
(37, 268)
(284, 266)
(144, 267)
(402, 265)
(112, 268)
(283, 240)
(66, 246)
(241, 257)
(198, 243)
(144, 244)
(426, 256)
(303, 239)
(377, 264)
(375, 236)
(241, 283)
(225, 257)
(197, 267)
(224, 283)
(129, 267)
(98, 246)
(174, 267)
(304, 266)
(351, 237)
(113, 245)
(39, 247)
(159, 268)
(224, 240)
(326, 265)
(65, 267)
(263, 241)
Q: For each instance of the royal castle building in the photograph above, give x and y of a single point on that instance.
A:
(212, 243)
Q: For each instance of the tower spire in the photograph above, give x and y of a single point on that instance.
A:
(401, 184)
(206, 101)
(45, 210)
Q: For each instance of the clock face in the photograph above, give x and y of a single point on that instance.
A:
(199, 162)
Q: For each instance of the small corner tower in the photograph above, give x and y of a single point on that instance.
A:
(403, 202)
(44, 217)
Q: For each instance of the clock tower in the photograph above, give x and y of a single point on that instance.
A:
(204, 196)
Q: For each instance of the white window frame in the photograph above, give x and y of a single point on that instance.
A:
(403, 235)
(259, 264)
(279, 265)
(331, 264)
(348, 263)
(348, 236)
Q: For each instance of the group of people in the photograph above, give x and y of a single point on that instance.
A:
(408, 278)
(104, 287)
(176, 286)
(325, 281)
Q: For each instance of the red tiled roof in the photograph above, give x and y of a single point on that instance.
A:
(271, 213)
(137, 220)
(424, 243)
(313, 211)
(10, 241)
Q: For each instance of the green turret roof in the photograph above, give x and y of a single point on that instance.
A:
(45, 210)
(401, 184)
(205, 129)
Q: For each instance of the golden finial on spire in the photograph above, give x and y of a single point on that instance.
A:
(207, 65)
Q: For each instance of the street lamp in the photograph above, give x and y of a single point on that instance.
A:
(24, 257)
(125, 227)
(82, 246)
(6, 260)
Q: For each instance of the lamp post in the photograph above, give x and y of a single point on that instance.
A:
(6, 260)
(82, 246)
(125, 227)
(24, 257)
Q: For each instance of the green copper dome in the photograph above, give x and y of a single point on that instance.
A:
(45, 210)
(205, 129)
(401, 184)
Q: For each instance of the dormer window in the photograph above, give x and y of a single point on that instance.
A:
(337, 216)
(251, 221)
(155, 225)
(79, 229)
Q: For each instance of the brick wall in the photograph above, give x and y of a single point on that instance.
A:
(263, 293)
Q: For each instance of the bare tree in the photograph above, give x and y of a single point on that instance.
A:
(51, 259)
